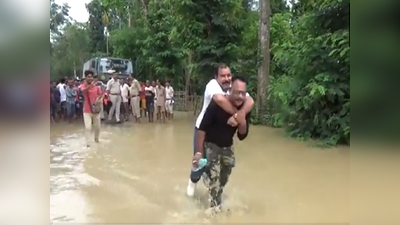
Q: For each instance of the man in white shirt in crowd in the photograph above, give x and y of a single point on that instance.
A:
(125, 98)
(169, 101)
(216, 89)
(114, 93)
(63, 97)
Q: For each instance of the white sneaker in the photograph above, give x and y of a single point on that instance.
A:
(191, 188)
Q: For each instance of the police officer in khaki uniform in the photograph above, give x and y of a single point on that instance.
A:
(135, 98)
(114, 93)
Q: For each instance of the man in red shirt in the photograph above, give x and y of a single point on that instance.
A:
(92, 95)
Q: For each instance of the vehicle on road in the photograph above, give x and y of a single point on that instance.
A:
(104, 67)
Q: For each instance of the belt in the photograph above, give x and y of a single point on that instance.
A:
(134, 96)
(115, 93)
(168, 99)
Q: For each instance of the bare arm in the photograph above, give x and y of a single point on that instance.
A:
(224, 103)
(201, 135)
(204, 126)
(243, 129)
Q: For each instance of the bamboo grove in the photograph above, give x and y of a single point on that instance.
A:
(295, 55)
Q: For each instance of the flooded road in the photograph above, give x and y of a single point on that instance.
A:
(138, 173)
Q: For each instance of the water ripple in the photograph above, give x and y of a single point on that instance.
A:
(67, 177)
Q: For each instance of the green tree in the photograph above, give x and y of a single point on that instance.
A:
(96, 26)
(71, 49)
(58, 16)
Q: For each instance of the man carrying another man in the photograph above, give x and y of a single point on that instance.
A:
(216, 90)
(215, 139)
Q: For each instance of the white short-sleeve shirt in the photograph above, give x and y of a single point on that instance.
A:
(63, 93)
(212, 88)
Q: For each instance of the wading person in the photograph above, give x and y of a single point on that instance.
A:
(215, 139)
(169, 101)
(53, 101)
(63, 98)
(135, 98)
(114, 93)
(160, 102)
(142, 100)
(216, 90)
(102, 87)
(71, 100)
(125, 98)
(78, 100)
(149, 93)
(91, 107)
(154, 85)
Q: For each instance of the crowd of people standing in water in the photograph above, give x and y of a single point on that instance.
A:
(125, 98)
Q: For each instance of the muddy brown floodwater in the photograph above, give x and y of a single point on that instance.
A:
(138, 174)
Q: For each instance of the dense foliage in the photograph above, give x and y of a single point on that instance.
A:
(305, 81)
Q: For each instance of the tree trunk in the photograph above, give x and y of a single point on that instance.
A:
(188, 73)
(74, 70)
(129, 18)
(263, 70)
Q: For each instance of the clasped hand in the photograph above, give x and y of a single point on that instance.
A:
(234, 121)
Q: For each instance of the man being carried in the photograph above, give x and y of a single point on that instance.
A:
(215, 139)
(216, 90)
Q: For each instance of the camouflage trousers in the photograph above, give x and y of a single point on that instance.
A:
(218, 170)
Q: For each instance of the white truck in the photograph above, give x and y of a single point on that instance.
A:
(104, 67)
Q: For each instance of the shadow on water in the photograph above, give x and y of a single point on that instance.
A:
(138, 174)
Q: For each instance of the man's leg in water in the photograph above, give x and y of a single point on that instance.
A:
(227, 163)
(214, 156)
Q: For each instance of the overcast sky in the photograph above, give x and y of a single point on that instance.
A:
(78, 9)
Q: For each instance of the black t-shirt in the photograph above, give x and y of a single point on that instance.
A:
(149, 96)
(217, 130)
(56, 94)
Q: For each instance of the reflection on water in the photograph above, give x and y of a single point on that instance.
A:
(138, 174)
(67, 176)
